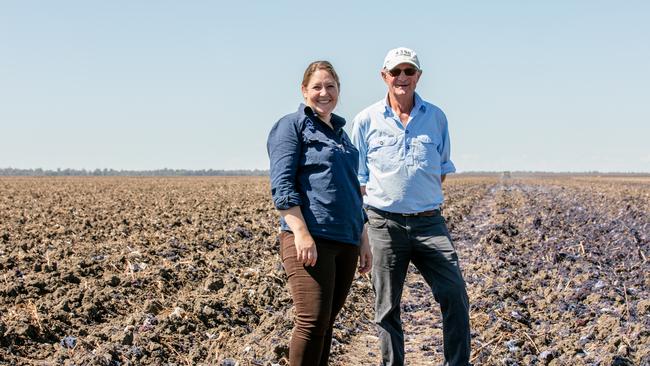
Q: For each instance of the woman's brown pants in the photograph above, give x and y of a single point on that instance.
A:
(318, 294)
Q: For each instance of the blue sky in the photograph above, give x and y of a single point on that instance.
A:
(544, 86)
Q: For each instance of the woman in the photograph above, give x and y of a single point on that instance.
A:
(315, 188)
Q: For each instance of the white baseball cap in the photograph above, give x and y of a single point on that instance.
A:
(401, 55)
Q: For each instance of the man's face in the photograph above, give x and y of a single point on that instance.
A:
(402, 79)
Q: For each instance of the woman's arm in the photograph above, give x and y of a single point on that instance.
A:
(283, 146)
(365, 255)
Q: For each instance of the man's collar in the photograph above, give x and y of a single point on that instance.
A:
(418, 104)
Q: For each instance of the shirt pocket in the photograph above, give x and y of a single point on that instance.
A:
(346, 143)
(315, 138)
(380, 142)
(383, 152)
(425, 152)
(318, 148)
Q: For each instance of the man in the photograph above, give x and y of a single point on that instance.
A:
(403, 145)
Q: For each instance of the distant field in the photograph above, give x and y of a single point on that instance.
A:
(613, 179)
(118, 270)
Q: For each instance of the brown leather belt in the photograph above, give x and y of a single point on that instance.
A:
(428, 213)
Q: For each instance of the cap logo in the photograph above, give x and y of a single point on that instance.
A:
(403, 52)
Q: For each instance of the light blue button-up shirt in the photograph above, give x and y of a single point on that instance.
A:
(401, 166)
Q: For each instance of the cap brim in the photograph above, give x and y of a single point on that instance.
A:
(392, 65)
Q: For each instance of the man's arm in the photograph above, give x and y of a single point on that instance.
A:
(357, 136)
(447, 166)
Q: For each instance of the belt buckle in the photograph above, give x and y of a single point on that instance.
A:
(410, 214)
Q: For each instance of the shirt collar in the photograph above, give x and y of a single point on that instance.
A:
(419, 104)
(337, 121)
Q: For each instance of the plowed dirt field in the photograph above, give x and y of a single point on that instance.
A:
(185, 271)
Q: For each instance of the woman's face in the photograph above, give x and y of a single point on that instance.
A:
(321, 93)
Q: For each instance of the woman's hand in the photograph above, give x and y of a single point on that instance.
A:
(365, 255)
(306, 248)
(305, 245)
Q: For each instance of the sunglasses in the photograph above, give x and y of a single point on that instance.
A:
(397, 72)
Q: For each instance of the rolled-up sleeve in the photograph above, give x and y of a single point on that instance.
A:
(359, 141)
(446, 165)
(284, 147)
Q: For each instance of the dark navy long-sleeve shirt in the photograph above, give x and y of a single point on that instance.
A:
(315, 167)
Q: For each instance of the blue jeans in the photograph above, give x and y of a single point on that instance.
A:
(423, 240)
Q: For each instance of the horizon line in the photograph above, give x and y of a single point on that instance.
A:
(10, 171)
